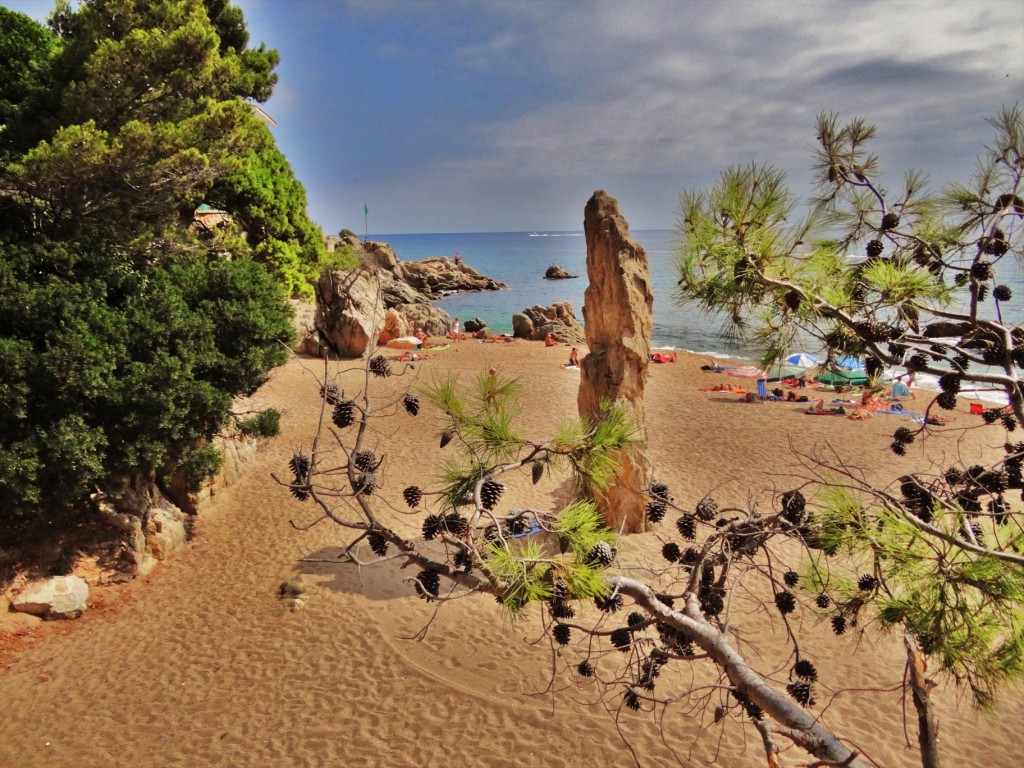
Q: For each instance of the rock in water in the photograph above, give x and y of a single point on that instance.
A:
(555, 272)
(617, 318)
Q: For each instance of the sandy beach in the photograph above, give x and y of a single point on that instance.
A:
(202, 664)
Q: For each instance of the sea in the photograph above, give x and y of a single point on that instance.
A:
(520, 259)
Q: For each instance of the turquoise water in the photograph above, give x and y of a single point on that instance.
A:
(519, 260)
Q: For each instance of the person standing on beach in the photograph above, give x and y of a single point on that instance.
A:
(455, 329)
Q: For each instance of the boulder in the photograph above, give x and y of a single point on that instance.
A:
(395, 326)
(474, 326)
(522, 325)
(307, 340)
(433, 321)
(62, 597)
(164, 526)
(559, 319)
(555, 272)
(617, 316)
(349, 310)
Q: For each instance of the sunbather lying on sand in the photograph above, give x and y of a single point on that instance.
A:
(818, 409)
(410, 357)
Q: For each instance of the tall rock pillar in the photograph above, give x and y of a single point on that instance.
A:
(617, 314)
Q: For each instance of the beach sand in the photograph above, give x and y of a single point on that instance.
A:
(202, 664)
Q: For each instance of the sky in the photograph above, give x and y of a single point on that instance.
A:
(506, 115)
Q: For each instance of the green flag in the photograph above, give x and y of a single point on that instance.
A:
(366, 211)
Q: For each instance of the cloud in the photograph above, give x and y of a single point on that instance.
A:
(516, 107)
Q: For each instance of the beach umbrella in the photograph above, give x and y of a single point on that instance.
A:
(843, 377)
(849, 363)
(747, 372)
(802, 359)
(781, 372)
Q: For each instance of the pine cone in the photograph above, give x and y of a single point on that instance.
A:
(380, 367)
(687, 525)
(378, 543)
(344, 414)
(413, 495)
(794, 507)
(490, 493)
(805, 671)
(364, 460)
(331, 393)
(656, 510)
(706, 509)
(411, 403)
(603, 553)
(981, 271)
(785, 602)
(671, 552)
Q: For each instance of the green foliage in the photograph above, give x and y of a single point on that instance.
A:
(964, 607)
(152, 121)
(113, 370)
(200, 464)
(526, 572)
(865, 273)
(26, 49)
(521, 573)
(125, 337)
(593, 448)
(488, 444)
(579, 527)
(341, 258)
(266, 423)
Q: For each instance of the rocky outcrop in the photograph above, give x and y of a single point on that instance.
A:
(439, 276)
(617, 315)
(555, 272)
(536, 322)
(386, 298)
(61, 597)
(349, 309)
(307, 341)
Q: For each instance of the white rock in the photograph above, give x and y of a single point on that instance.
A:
(59, 597)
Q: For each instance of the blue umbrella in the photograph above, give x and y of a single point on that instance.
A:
(802, 359)
(849, 363)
